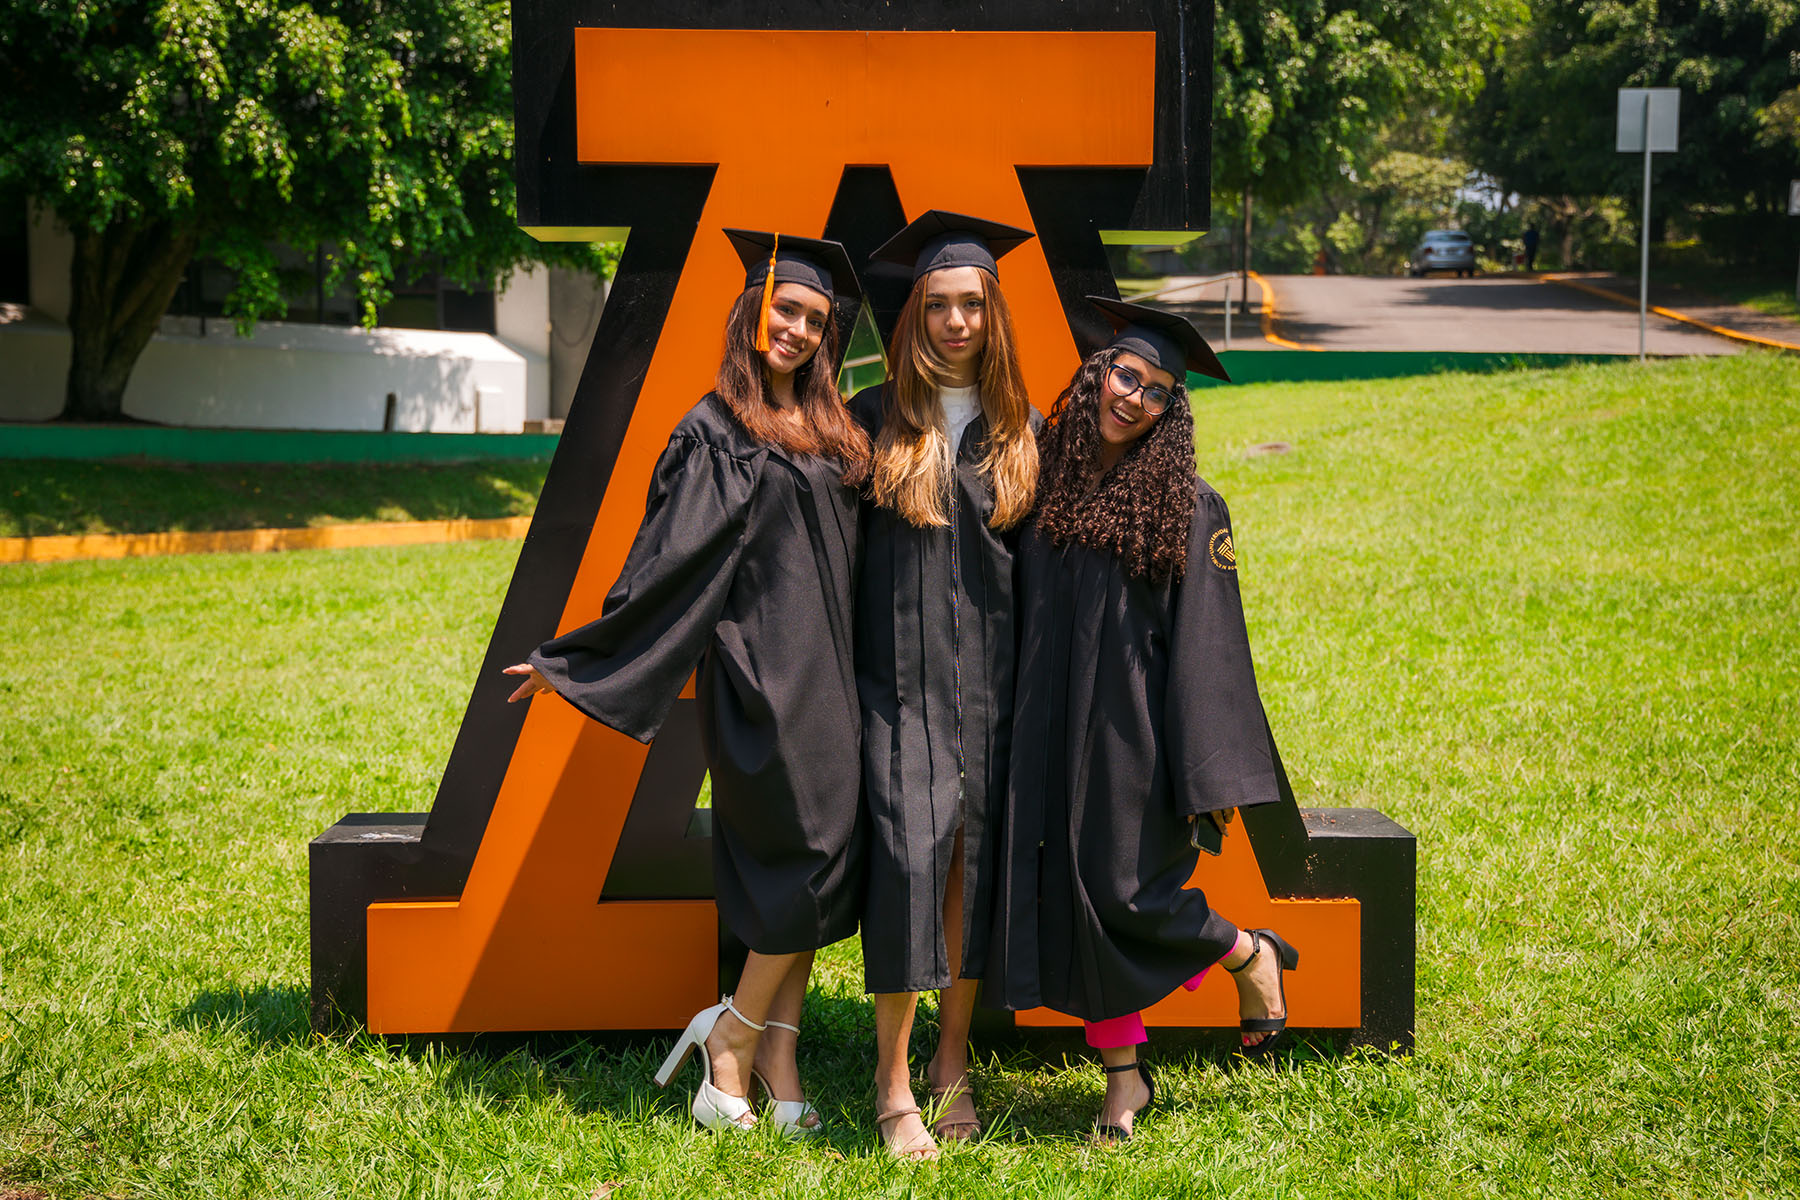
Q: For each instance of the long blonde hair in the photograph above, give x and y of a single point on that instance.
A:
(914, 461)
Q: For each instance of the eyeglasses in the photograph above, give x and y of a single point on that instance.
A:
(1123, 381)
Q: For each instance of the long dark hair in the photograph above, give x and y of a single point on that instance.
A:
(1141, 511)
(825, 428)
(913, 458)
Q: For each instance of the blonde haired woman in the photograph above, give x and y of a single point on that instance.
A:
(952, 479)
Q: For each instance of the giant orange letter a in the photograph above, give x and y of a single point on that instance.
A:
(560, 858)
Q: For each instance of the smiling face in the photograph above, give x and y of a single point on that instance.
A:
(1123, 419)
(797, 319)
(955, 319)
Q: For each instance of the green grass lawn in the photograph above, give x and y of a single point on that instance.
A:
(1548, 620)
(39, 497)
(1767, 287)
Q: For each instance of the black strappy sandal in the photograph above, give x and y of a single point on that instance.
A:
(1113, 1134)
(1273, 1026)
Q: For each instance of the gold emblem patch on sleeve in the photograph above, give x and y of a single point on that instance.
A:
(1218, 548)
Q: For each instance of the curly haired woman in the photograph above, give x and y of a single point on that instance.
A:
(1137, 727)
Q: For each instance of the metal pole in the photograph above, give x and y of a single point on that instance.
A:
(1644, 257)
(1228, 314)
(1244, 250)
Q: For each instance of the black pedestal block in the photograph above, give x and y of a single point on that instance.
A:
(1360, 854)
(1312, 854)
(1346, 853)
(363, 859)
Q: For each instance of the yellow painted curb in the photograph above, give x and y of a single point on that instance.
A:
(249, 541)
(1736, 335)
(1270, 316)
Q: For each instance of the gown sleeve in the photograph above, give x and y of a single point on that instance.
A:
(626, 669)
(1220, 750)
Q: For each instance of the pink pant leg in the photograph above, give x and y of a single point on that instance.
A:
(1116, 1032)
(1128, 1030)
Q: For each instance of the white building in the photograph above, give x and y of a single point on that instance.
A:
(451, 361)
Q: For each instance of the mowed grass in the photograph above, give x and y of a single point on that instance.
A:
(1764, 286)
(48, 497)
(1548, 620)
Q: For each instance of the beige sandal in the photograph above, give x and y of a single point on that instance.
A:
(912, 1151)
(951, 1123)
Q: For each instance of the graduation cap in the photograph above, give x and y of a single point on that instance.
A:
(772, 258)
(939, 240)
(1162, 339)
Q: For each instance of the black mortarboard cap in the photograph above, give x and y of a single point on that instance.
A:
(939, 240)
(814, 262)
(1163, 339)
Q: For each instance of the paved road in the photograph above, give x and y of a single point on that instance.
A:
(1729, 316)
(1509, 314)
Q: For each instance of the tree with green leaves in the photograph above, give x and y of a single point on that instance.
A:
(1303, 89)
(164, 129)
(1544, 122)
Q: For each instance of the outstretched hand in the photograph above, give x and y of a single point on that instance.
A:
(534, 682)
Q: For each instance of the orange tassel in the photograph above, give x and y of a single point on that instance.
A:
(762, 322)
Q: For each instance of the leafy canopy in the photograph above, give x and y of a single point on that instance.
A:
(1544, 123)
(380, 130)
(1303, 88)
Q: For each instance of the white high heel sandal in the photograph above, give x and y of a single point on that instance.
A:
(712, 1108)
(790, 1115)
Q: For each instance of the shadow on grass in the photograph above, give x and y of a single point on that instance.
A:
(1045, 1084)
(610, 1072)
(614, 1072)
(1048, 1083)
(41, 498)
(275, 1015)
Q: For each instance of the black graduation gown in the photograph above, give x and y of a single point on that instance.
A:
(1136, 707)
(934, 666)
(744, 568)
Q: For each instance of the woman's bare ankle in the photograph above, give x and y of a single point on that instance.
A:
(1240, 952)
(1259, 992)
(947, 1073)
(887, 1102)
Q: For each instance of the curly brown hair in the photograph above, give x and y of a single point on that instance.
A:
(1141, 510)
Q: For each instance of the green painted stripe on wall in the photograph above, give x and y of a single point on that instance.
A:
(167, 444)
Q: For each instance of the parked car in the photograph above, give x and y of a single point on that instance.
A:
(1442, 250)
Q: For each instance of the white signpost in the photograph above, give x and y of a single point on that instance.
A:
(1648, 118)
(1794, 211)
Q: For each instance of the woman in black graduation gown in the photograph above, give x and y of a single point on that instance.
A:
(953, 474)
(744, 567)
(1137, 727)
